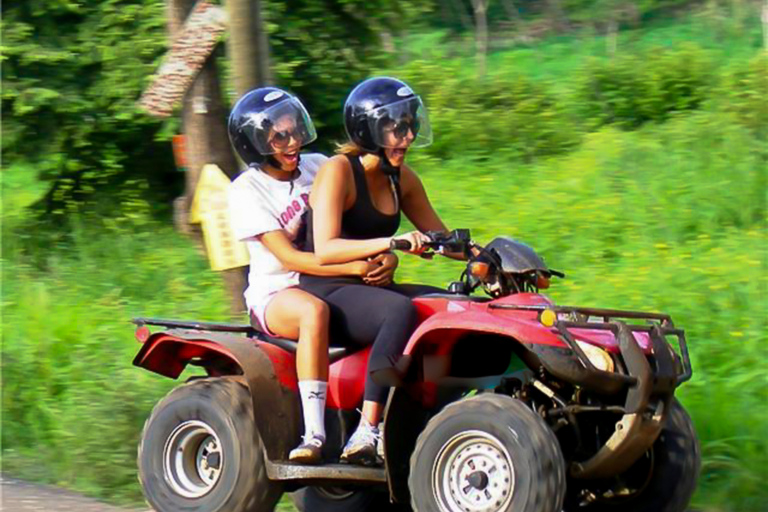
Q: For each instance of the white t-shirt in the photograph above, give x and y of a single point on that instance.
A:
(258, 204)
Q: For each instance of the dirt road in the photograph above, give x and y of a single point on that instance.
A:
(18, 496)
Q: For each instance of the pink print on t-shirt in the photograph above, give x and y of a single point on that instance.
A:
(294, 208)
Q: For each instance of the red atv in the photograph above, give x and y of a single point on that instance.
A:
(500, 403)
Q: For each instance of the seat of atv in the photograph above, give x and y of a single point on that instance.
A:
(334, 353)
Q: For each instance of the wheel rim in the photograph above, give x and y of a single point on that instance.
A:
(473, 472)
(193, 459)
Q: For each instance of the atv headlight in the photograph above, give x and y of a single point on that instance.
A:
(599, 358)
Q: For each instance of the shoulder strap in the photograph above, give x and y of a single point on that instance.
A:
(361, 186)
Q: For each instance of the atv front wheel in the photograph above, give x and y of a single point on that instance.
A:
(490, 453)
(200, 451)
(663, 480)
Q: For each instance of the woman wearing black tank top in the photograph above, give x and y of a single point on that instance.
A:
(355, 204)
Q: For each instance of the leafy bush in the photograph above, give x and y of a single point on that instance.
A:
(744, 93)
(505, 112)
(633, 89)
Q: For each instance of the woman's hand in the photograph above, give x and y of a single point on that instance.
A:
(384, 273)
(417, 240)
(361, 268)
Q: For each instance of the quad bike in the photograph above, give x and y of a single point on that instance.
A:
(499, 403)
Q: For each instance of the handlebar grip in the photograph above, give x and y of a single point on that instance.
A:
(400, 245)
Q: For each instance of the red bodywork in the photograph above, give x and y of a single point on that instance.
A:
(441, 322)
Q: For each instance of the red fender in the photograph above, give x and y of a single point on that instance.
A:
(464, 316)
(168, 353)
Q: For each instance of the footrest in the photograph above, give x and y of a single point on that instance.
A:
(346, 472)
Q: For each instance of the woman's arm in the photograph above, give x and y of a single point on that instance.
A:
(418, 209)
(328, 199)
(306, 262)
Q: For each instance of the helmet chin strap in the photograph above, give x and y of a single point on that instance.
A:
(274, 162)
(386, 165)
(393, 173)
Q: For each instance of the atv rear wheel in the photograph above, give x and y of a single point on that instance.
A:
(663, 479)
(200, 450)
(489, 453)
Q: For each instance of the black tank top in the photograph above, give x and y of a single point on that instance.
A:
(360, 222)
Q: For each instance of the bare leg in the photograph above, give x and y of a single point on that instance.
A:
(296, 314)
(372, 412)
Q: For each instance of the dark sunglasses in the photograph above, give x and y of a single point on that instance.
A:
(401, 128)
(281, 139)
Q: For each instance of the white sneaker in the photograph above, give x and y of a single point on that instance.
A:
(361, 448)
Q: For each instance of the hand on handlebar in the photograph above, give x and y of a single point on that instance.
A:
(413, 242)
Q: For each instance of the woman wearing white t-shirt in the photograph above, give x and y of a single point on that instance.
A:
(267, 127)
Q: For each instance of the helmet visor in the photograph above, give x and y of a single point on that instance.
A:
(404, 123)
(280, 127)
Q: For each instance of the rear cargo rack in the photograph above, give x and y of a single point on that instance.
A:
(660, 325)
(197, 326)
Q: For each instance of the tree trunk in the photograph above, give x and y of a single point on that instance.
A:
(207, 142)
(480, 8)
(248, 47)
(556, 15)
(511, 9)
(464, 19)
(611, 39)
(765, 26)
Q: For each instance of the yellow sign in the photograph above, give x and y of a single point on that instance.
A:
(211, 208)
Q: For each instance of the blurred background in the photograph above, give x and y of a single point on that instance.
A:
(626, 141)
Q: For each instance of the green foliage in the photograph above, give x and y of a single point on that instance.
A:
(506, 111)
(651, 86)
(743, 94)
(71, 74)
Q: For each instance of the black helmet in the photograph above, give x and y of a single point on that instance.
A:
(380, 105)
(254, 116)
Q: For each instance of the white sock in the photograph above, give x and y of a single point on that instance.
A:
(313, 404)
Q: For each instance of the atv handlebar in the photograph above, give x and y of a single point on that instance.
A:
(457, 240)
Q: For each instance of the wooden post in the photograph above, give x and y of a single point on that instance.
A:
(481, 34)
(203, 122)
(765, 26)
(248, 47)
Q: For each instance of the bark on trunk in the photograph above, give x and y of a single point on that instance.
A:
(464, 19)
(611, 39)
(248, 46)
(765, 26)
(481, 34)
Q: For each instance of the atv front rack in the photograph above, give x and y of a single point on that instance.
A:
(649, 382)
(659, 326)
